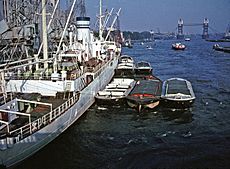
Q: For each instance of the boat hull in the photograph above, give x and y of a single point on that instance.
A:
(124, 72)
(109, 101)
(176, 104)
(146, 94)
(143, 71)
(177, 93)
(140, 104)
(17, 152)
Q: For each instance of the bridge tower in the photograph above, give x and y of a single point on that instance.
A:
(205, 28)
(180, 34)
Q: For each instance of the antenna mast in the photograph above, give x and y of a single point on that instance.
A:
(44, 34)
(100, 21)
(81, 5)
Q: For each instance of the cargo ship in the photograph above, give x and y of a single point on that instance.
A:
(46, 92)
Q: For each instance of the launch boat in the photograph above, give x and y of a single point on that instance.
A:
(125, 67)
(146, 94)
(143, 68)
(177, 93)
(116, 91)
(42, 95)
(178, 46)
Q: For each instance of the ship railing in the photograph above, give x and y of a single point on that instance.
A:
(42, 76)
(21, 133)
(101, 67)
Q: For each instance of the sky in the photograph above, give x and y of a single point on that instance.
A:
(163, 15)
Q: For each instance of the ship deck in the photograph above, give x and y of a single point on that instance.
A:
(34, 105)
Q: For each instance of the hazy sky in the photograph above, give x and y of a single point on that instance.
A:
(145, 15)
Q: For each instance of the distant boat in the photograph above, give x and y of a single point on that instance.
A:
(143, 67)
(146, 94)
(187, 39)
(149, 47)
(128, 43)
(178, 46)
(116, 91)
(177, 93)
(217, 47)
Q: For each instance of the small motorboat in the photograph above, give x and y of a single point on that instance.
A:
(116, 91)
(144, 68)
(125, 67)
(187, 39)
(217, 47)
(178, 46)
(145, 94)
(177, 93)
(149, 47)
(126, 59)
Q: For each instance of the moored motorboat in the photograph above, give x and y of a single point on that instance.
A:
(125, 67)
(177, 93)
(149, 47)
(178, 46)
(125, 59)
(116, 91)
(146, 94)
(143, 67)
(217, 47)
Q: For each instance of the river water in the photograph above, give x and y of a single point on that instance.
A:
(117, 137)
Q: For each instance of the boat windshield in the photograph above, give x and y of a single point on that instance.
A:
(143, 64)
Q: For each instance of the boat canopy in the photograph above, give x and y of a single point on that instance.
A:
(147, 86)
(177, 86)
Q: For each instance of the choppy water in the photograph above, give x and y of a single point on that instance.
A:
(120, 138)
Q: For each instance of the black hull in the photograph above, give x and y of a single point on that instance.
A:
(143, 72)
(222, 49)
(178, 48)
(174, 104)
(139, 104)
(124, 72)
(118, 101)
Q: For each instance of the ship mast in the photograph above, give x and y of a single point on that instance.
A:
(44, 34)
(100, 21)
(111, 28)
